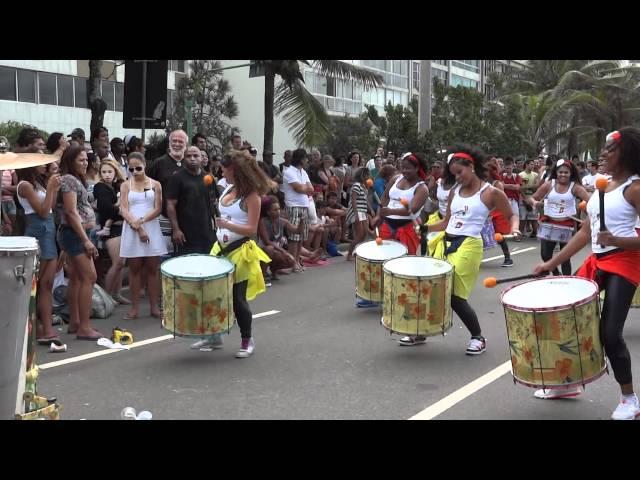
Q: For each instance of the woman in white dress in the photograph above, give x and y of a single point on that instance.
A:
(142, 242)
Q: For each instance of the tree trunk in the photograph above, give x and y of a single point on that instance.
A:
(94, 100)
(269, 94)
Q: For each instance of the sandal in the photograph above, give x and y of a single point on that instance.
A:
(47, 341)
(128, 316)
(91, 338)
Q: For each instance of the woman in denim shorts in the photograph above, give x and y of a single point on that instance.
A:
(37, 202)
(76, 220)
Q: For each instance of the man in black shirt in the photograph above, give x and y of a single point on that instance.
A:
(162, 168)
(189, 206)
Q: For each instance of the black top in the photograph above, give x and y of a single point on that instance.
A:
(161, 170)
(107, 198)
(193, 208)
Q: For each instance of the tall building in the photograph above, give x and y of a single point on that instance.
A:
(498, 66)
(51, 94)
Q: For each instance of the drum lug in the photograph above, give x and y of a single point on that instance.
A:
(18, 272)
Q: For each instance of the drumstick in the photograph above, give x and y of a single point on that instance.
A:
(601, 185)
(499, 237)
(491, 282)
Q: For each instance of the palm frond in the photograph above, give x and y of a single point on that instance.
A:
(346, 71)
(302, 113)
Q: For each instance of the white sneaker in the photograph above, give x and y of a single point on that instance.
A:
(246, 348)
(556, 393)
(209, 343)
(412, 341)
(628, 409)
(476, 346)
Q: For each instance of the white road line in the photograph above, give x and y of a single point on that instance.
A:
(516, 252)
(141, 343)
(450, 400)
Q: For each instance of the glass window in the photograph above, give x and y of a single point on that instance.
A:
(357, 91)
(7, 83)
(169, 103)
(80, 85)
(416, 76)
(388, 79)
(397, 66)
(65, 90)
(404, 98)
(339, 105)
(404, 82)
(366, 97)
(348, 89)
(47, 88)
(403, 67)
(331, 87)
(331, 103)
(321, 84)
(181, 66)
(385, 65)
(340, 89)
(397, 80)
(380, 100)
(108, 94)
(119, 97)
(26, 86)
(308, 79)
(397, 98)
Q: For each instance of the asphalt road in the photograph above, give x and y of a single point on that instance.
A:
(317, 358)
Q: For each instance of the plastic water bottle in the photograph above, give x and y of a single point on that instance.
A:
(144, 415)
(128, 413)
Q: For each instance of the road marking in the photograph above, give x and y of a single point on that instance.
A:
(516, 252)
(450, 400)
(141, 343)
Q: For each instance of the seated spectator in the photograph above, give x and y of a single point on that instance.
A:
(358, 209)
(337, 213)
(316, 230)
(272, 239)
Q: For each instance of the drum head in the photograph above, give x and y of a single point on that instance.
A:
(414, 266)
(389, 249)
(18, 244)
(549, 293)
(196, 267)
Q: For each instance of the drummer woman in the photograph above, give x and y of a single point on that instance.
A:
(615, 259)
(444, 184)
(470, 202)
(402, 202)
(240, 213)
(559, 194)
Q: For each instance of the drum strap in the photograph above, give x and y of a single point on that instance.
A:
(455, 243)
(232, 246)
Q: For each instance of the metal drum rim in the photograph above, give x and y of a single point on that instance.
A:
(558, 308)
(196, 279)
(400, 275)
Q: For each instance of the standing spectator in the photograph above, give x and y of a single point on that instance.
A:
(200, 141)
(391, 158)
(357, 215)
(30, 137)
(236, 141)
(326, 175)
(78, 136)
(189, 206)
(527, 215)
(118, 150)
(107, 194)
(205, 164)
(386, 173)
(269, 168)
(9, 182)
(163, 168)
(353, 163)
(100, 133)
(101, 149)
(340, 172)
(37, 202)
(57, 144)
(134, 144)
(140, 205)
(287, 161)
(77, 219)
(297, 188)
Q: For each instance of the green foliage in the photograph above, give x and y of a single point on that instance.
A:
(12, 129)
(348, 133)
(213, 106)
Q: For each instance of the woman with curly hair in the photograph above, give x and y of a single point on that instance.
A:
(468, 208)
(240, 205)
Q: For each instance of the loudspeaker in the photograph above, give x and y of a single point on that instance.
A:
(156, 87)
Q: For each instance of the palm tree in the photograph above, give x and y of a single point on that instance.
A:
(306, 118)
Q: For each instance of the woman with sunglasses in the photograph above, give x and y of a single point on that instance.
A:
(559, 194)
(614, 261)
(142, 242)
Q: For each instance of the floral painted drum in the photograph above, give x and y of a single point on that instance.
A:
(635, 303)
(553, 331)
(197, 291)
(369, 259)
(417, 296)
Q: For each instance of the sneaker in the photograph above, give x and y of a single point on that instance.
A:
(628, 409)
(507, 263)
(476, 346)
(267, 284)
(246, 348)
(360, 303)
(556, 393)
(209, 343)
(412, 341)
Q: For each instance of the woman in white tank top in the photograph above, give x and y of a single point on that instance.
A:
(402, 202)
(557, 223)
(470, 202)
(615, 262)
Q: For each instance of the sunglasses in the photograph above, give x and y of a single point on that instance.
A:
(135, 169)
